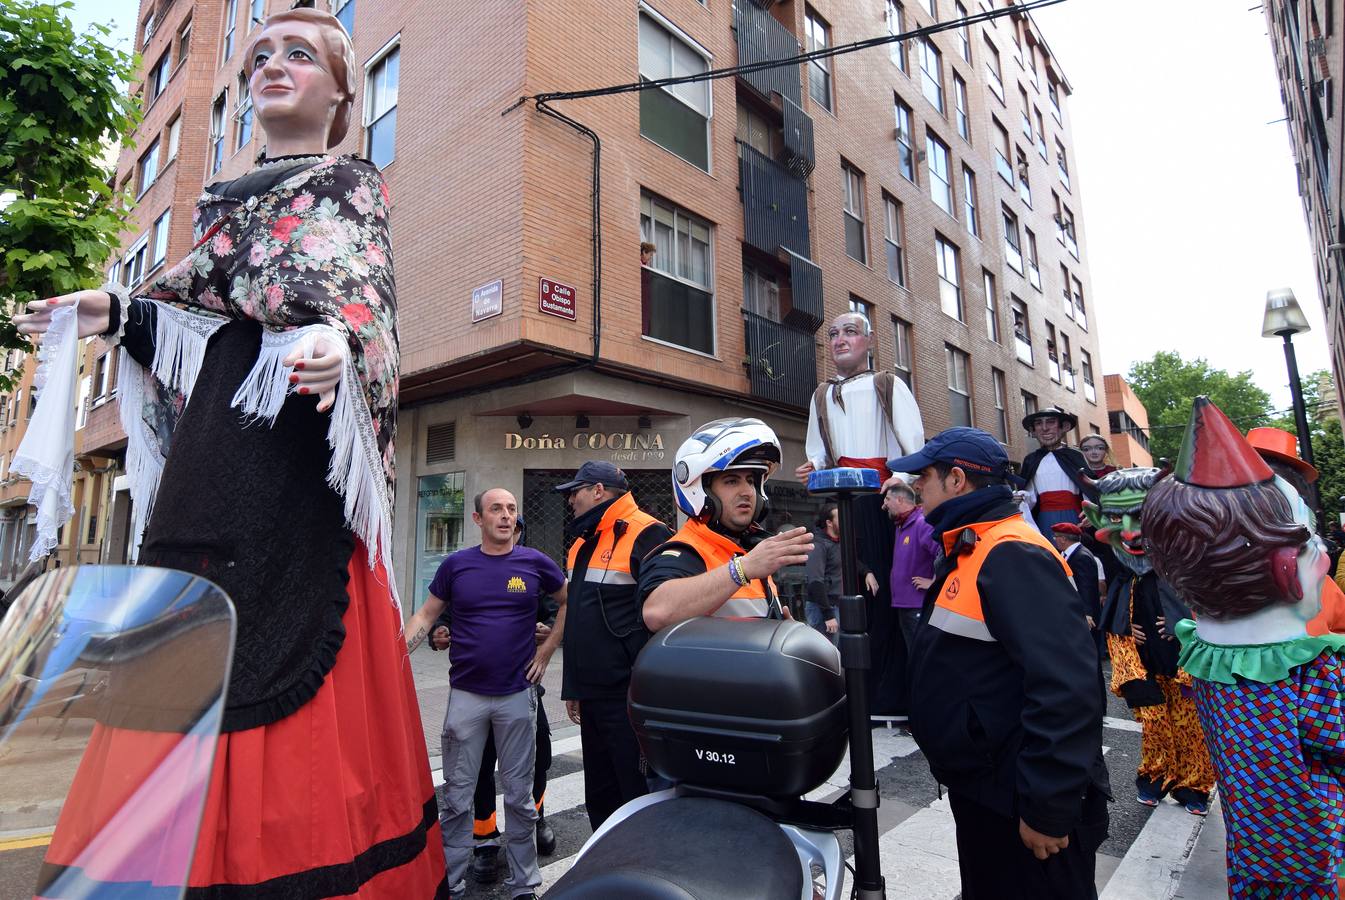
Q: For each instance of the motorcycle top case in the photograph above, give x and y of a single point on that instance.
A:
(753, 706)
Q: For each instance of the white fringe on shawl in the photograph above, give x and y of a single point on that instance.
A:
(47, 453)
(356, 468)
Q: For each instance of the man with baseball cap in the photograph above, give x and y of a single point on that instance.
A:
(604, 631)
(1006, 693)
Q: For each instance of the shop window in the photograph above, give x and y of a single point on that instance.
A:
(440, 510)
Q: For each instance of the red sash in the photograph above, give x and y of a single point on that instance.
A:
(877, 463)
(1059, 501)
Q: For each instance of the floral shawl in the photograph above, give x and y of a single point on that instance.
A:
(308, 257)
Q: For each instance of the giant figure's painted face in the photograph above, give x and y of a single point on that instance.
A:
(1118, 514)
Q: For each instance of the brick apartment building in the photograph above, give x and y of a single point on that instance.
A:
(931, 185)
(1305, 38)
(1128, 422)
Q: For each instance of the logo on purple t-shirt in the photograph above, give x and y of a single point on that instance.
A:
(493, 600)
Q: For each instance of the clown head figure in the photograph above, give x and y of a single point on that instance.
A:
(1235, 540)
(1117, 515)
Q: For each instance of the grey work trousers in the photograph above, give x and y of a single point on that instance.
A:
(513, 720)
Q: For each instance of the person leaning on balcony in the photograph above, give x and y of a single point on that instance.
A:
(647, 251)
(862, 418)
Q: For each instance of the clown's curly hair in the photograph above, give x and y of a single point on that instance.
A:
(1212, 544)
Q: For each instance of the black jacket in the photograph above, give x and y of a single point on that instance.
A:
(1087, 572)
(1014, 724)
(1134, 599)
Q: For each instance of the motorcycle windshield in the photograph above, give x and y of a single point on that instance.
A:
(112, 684)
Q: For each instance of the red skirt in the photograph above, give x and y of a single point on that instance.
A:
(333, 800)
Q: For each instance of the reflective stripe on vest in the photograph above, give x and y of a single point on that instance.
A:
(716, 550)
(611, 562)
(958, 607)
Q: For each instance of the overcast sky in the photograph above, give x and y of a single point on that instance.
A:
(1190, 204)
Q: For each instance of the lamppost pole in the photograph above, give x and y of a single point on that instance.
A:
(1296, 390)
(1284, 319)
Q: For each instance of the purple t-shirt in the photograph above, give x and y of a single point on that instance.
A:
(494, 605)
(913, 553)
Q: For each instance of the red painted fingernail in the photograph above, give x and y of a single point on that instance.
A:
(294, 379)
(299, 365)
(52, 301)
(303, 390)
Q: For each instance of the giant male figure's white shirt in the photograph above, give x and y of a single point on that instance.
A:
(861, 431)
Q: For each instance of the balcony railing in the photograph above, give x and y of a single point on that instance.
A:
(1054, 369)
(775, 204)
(1069, 303)
(1081, 317)
(1070, 383)
(762, 38)
(805, 283)
(1022, 347)
(1003, 167)
(1089, 391)
(798, 133)
(781, 361)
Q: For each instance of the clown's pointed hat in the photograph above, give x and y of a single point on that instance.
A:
(1214, 453)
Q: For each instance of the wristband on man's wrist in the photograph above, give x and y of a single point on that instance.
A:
(736, 572)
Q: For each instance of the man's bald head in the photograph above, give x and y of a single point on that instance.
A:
(850, 338)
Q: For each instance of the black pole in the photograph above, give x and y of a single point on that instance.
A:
(856, 660)
(1301, 418)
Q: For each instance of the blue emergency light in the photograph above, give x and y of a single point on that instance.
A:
(831, 481)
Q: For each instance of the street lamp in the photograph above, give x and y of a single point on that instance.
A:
(1284, 319)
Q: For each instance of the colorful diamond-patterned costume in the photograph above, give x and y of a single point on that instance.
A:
(1274, 721)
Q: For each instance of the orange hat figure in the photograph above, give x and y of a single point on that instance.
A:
(1235, 541)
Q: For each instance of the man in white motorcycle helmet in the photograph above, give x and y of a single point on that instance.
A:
(721, 562)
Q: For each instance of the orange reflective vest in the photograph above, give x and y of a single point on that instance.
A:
(716, 550)
(957, 610)
(610, 562)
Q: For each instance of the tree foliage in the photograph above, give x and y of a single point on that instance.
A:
(1167, 384)
(62, 105)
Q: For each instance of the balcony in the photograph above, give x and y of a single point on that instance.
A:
(761, 39)
(805, 281)
(781, 361)
(1022, 348)
(775, 205)
(798, 135)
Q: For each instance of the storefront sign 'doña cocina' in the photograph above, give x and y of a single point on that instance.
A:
(623, 445)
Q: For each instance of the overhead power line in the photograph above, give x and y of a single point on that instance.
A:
(823, 53)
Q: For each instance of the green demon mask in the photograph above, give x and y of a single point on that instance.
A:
(1117, 516)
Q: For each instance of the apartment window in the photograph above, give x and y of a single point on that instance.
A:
(161, 238)
(147, 169)
(992, 68)
(757, 132)
(381, 105)
(183, 43)
(217, 132)
(950, 280)
(960, 107)
(1052, 352)
(818, 34)
(1040, 137)
(1067, 227)
(963, 38)
(100, 376)
(1033, 267)
(1029, 403)
(174, 135)
(856, 242)
(81, 419)
(861, 307)
(1053, 93)
(230, 22)
(902, 357)
(676, 118)
(959, 385)
(761, 293)
(969, 201)
(1001, 405)
(147, 29)
(159, 75)
(133, 269)
(1024, 121)
(1022, 330)
(991, 306)
(892, 239)
(1067, 363)
(345, 14)
(933, 7)
(1080, 315)
(679, 304)
(940, 176)
(1064, 292)
(1062, 164)
(1002, 151)
(905, 140)
(1024, 185)
(896, 24)
(1086, 369)
(931, 73)
(243, 115)
(1013, 242)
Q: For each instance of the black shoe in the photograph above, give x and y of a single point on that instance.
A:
(546, 837)
(485, 867)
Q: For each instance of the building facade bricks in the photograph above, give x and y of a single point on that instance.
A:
(1128, 424)
(486, 189)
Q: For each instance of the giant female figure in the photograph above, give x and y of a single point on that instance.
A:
(258, 390)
